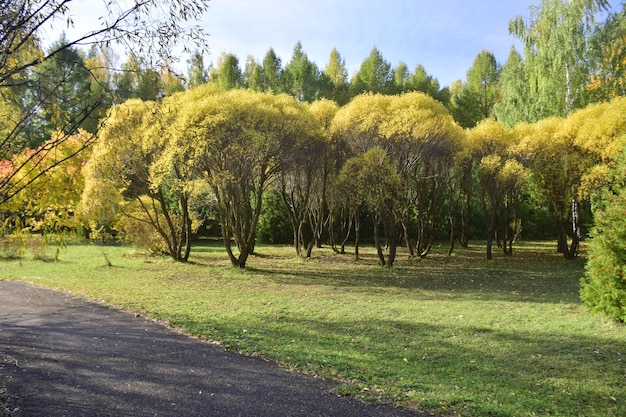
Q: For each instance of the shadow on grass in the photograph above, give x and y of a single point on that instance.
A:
(475, 371)
(536, 279)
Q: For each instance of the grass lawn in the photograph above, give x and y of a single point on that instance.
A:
(452, 335)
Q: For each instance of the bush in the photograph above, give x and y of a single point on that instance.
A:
(274, 226)
(604, 286)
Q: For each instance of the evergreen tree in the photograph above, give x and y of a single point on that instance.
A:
(374, 76)
(302, 76)
(273, 72)
(604, 285)
(479, 94)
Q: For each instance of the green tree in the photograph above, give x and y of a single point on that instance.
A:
(273, 72)
(401, 76)
(421, 81)
(197, 73)
(302, 77)
(374, 75)
(479, 94)
(60, 104)
(557, 52)
(609, 56)
(514, 104)
(253, 75)
(604, 287)
(227, 75)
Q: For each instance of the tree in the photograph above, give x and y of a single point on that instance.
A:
(499, 178)
(253, 74)
(480, 92)
(421, 81)
(197, 73)
(514, 104)
(358, 125)
(401, 78)
(302, 76)
(153, 27)
(228, 74)
(374, 76)
(302, 187)
(273, 72)
(379, 184)
(134, 184)
(540, 146)
(557, 54)
(50, 205)
(338, 75)
(236, 139)
(59, 103)
(604, 288)
(609, 56)
(421, 139)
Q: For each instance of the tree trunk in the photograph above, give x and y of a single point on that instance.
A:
(489, 244)
(407, 240)
(393, 244)
(226, 238)
(186, 233)
(357, 235)
(379, 249)
(451, 221)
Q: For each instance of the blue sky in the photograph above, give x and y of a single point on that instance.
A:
(444, 36)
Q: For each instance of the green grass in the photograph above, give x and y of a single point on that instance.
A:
(446, 334)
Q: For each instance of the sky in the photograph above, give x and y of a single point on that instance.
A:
(444, 36)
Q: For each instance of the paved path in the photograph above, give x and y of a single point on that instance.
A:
(62, 356)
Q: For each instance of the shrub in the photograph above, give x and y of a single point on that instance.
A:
(604, 286)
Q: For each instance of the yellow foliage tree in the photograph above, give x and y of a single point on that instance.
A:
(501, 180)
(125, 189)
(238, 140)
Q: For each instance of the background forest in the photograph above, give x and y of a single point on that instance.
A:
(293, 153)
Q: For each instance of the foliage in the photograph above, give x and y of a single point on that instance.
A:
(607, 77)
(274, 225)
(237, 142)
(126, 177)
(604, 286)
(501, 180)
(228, 74)
(53, 176)
(374, 75)
(478, 95)
(56, 84)
(557, 55)
(514, 104)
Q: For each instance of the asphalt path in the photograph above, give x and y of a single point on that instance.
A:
(64, 356)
